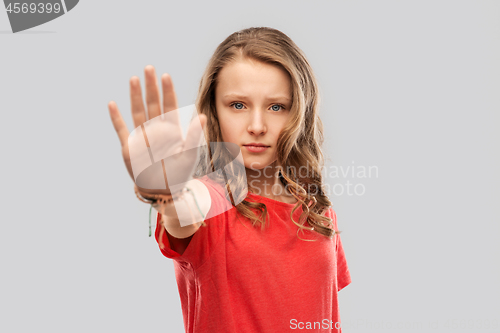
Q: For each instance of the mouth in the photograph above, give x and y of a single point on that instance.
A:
(256, 148)
(256, 145)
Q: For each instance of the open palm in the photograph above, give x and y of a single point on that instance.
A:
(161, 137)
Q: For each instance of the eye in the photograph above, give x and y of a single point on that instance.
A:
(277, 109)
(237, 104)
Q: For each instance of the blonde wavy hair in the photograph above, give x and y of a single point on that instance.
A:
(300, 140)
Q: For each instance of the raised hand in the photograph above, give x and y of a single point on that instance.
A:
(173, 156)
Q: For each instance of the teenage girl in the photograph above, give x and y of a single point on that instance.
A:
(273, 261)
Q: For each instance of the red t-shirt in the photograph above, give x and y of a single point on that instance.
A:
(233, 277)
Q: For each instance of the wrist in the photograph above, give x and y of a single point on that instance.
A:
(155, 199)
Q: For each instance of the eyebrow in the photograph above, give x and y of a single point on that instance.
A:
(268, 98)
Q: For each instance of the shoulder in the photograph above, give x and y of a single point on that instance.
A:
(219, 197)
(330, 212)
(212, 185)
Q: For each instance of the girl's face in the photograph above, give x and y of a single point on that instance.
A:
(253, 101)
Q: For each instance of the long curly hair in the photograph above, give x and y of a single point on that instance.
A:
(300, 141)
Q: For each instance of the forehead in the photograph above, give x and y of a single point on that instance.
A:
(249, 77)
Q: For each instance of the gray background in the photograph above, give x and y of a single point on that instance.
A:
(409, 87)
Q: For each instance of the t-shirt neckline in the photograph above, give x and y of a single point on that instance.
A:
(285, 204)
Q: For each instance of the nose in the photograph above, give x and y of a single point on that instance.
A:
(257, 123)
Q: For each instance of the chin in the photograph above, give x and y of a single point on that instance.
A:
(256, 165)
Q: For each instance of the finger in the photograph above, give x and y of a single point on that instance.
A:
(152, 92)
(137, 104)
(169, 96)
(195, 132)
(118, 123)
(170, 99)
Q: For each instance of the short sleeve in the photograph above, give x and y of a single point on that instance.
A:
(205, 240)
(162, 240)
(343, 274)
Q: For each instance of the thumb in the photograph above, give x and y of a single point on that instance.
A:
(195, 132)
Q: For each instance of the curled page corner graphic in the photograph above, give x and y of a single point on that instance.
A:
(160, 156)
(27, 14)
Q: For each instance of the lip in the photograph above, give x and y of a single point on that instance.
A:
(256, 149)
(255, 144)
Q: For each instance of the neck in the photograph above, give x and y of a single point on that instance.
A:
(265, 182)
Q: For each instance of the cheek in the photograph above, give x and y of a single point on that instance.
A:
(227, 131)
(223, 127)
(278, 130)
(275, 134)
